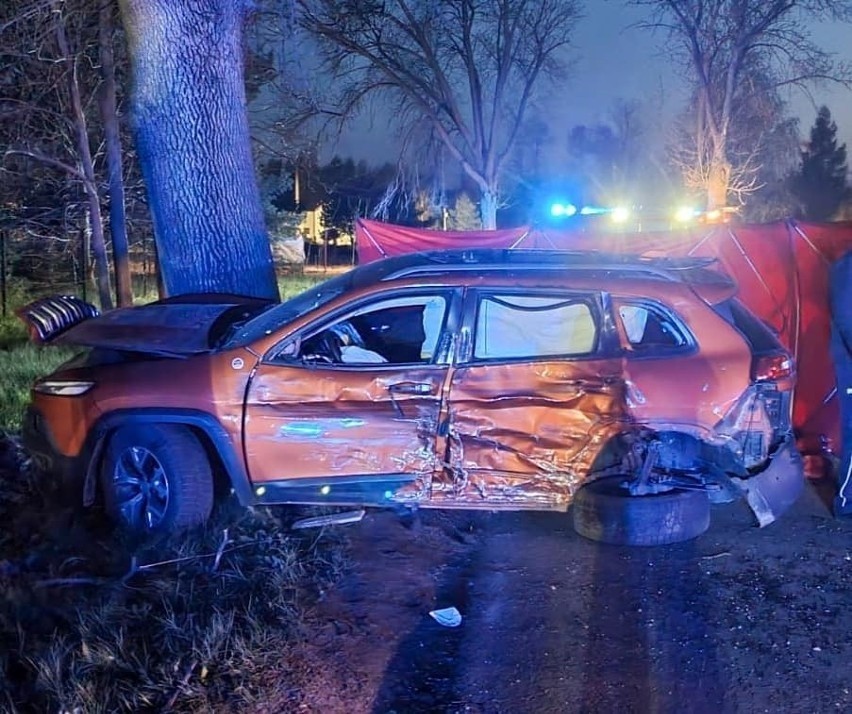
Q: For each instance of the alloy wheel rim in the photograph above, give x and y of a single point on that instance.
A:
(141, 488)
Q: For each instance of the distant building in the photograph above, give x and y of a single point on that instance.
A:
(312, 226)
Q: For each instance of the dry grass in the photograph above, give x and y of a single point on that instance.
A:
(198, 622)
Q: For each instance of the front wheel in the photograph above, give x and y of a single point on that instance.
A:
(156, 479)
(604, 511)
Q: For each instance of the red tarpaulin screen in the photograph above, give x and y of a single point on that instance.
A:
(781, 268)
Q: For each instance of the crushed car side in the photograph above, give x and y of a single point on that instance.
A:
(680, 392)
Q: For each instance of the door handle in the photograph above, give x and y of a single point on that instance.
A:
(410, 388)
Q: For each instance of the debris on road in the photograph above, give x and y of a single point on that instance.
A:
(329, 519)
(448, 617)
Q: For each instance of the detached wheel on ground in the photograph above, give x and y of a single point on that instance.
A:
(604, 511)
(156, 479)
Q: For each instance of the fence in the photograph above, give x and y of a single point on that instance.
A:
(31, 267)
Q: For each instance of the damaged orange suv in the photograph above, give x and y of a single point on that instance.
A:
(638, 390)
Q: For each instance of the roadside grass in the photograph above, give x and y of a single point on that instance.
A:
(295, 283)
(289, 285)
(20, 366)
(12, 332)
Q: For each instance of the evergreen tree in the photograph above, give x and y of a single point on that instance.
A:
(821, 182)
(465, 215)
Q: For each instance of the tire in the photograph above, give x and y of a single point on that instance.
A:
(605, 512)
(156, 479)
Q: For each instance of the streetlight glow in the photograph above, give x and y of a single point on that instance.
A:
(684, 214)
(620, 214)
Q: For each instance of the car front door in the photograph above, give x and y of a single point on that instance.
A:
(536, 394)
(346, 410)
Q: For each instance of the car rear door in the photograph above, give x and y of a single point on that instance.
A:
(684, 369)
(346, 410)
(534, 396)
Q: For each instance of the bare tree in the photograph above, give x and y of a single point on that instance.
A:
(611, 155)
(761, 146)
(721, 44)
(61, 130)
(87, 164)
(108, 105)
(466, 69)
(47, 120)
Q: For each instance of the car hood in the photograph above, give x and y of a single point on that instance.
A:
(176, 327)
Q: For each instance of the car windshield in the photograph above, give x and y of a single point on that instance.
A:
(280, 314)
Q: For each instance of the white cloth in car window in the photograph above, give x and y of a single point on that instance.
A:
(352, 354)
(508, 330)
(634, 318)
(433, 318)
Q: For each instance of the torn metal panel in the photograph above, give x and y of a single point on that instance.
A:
(686, 389)
(748, 428)
(776, 488)
(528, 432)
(329, 519)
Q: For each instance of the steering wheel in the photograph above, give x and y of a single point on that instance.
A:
(326, 348)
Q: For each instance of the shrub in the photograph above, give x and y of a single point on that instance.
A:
(19, 368)
(12, 333)
(196, 622)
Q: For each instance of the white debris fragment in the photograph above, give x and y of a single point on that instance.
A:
(329, 519)
(448, 617)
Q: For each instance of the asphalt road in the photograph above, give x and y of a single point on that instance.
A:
(739, 620)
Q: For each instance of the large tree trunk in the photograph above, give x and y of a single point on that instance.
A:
(109, 116)
(718, 182)
(189, 117)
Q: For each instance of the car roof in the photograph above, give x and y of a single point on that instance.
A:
(691, 270)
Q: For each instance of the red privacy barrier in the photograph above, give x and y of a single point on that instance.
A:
(781, 268)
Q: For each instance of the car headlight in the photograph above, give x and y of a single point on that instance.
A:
(63, 387)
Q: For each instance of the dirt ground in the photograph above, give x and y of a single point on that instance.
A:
(739, 620)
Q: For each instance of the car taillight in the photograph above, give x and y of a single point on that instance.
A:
(771, 367)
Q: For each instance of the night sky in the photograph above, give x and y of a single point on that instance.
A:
(613, 61)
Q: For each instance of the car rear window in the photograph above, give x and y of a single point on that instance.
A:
(514, 326)
(759, 336)
(650, 328)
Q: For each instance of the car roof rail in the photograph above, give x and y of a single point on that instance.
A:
(690, 269)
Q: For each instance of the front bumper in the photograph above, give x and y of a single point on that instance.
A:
(39, 444)
(775, 489)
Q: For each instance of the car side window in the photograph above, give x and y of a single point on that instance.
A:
(399, 330)
(533, 327)
(649, 328)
